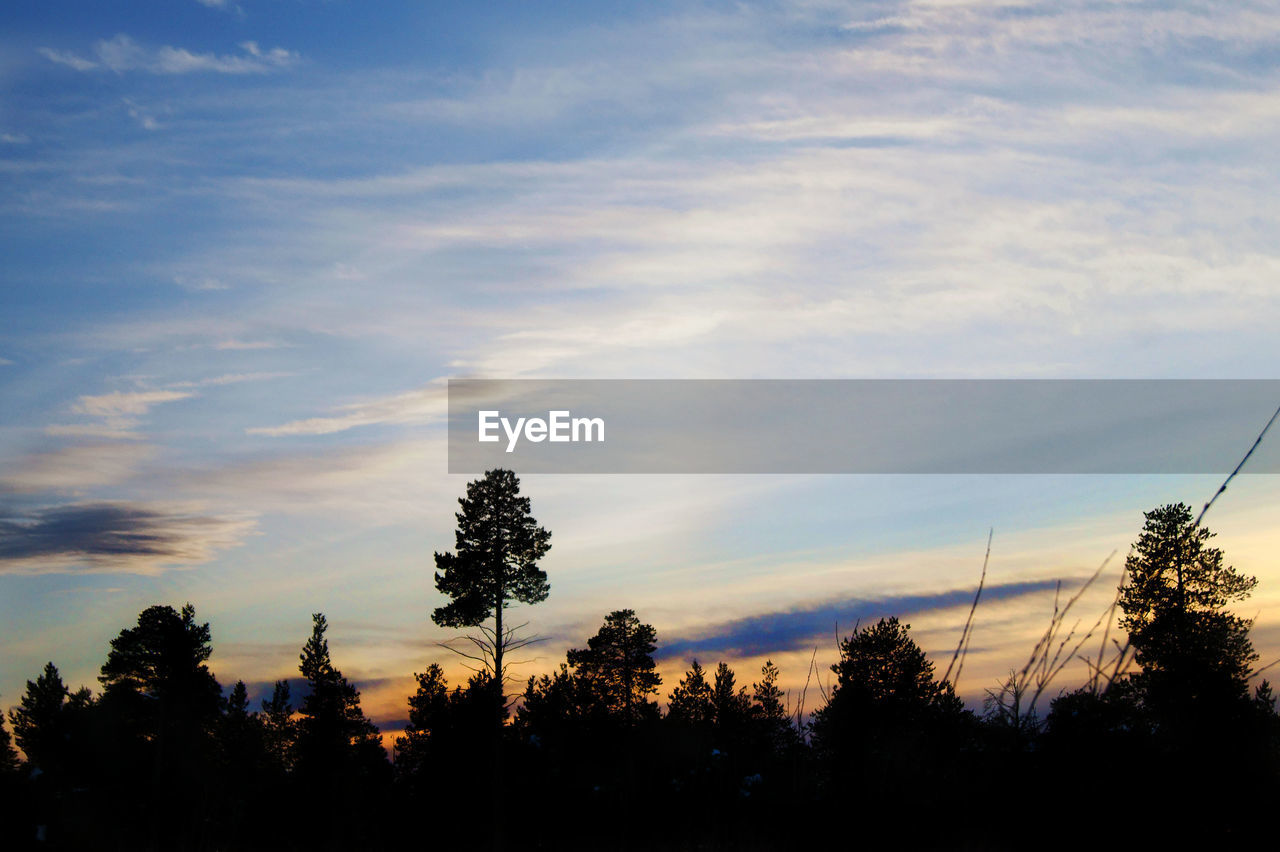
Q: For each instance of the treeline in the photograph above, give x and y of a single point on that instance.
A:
(1167, 743)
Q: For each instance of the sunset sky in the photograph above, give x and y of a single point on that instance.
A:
(246, 244)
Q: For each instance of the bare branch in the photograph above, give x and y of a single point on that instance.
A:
(963, 647)
(1233, 473)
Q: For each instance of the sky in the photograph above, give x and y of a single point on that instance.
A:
(247, 244)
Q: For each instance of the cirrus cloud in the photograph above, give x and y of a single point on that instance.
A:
(113, 537)
(122, 53)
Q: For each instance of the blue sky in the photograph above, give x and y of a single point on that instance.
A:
(247, 243)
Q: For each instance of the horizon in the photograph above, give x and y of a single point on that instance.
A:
(248, 246)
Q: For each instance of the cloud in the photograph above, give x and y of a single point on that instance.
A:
(199, 285)
(793, 629)
(425, 405)
(73, 468)
(122, 53)
(120, 413)
(232, 379)
(63, 57)
(245, 345)
(113, 537)
(121, 404)
(140, 115)
(120, 430)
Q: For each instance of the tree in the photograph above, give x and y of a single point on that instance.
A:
(445, 728)
(731, 707)
(428, 710)
(8, 757)
(280, 731)
(691, 701)
(334, 737)
(158, 670)
(498, 545)
(770, 712)
(338, 757)
(242, 734)
(617, 669)
(39, 723)
(161, 704)
(884, 686)
(1194, 653)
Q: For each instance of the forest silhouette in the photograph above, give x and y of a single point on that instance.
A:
(1165, 741)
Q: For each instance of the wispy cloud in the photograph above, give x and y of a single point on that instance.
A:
(232, 379)
(122, 53)
(780, 632)
(72, 469)
(424, 405)
(201, 284)
(247, 345)
(125, 404)
(139, 114)
(63, 57)
(113, 537)
(119, 413)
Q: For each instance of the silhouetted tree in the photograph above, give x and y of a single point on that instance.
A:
(441, 760)
(890, 732)
(242, 733)
(498, 546)
(16, 812)
(1194, 653)
(885, 698)
(770, 713)
(1007, 713)
(48, 722)
(616, 670)
(883, 676)
(338, 756)
(161, 703)
(280, 731)
(691, 701)
(731, 707)
(8, 757)
(334, 737)
(424, 736)
(157, 671)
(246, 784)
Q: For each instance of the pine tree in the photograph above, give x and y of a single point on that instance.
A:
(338, 759)
(1195, 654)
(498, 546)
(241, 733)
(280, 731)
(156, 675)
(40, 721)
(691, 702)
(333, 734)
(617, 668)
(428, 717)
(8, 757)
(884, 685)
(730, 705)
(769, 711)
